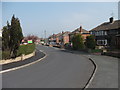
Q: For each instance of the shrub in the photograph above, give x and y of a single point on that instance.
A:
(77, 41)
(90, 42)
(67, 46)
(6, 54)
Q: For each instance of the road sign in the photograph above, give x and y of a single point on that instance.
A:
(29, 41)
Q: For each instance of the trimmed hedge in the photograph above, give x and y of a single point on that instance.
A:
(26, 49)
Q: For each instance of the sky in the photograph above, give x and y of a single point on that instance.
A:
(55, 17)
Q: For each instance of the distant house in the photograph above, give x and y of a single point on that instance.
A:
(59, 39)
(107, 34)
(81, 31)
(52, 39)
(65, 37)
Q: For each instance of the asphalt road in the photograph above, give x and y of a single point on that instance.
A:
(59, 69)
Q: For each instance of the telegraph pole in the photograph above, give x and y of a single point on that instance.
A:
(45, 36)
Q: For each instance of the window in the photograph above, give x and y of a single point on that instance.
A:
(102, 33)
(105, 32)
(105, 41)
(91, 32)
(102, 42)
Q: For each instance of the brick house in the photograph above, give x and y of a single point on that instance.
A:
(60, 38)
(65, 37)
(81, 31)
(52, 39)
(107, 34)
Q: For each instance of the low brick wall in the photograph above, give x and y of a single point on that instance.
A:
(22, 57)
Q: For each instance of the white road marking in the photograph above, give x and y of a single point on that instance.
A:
(25, 64)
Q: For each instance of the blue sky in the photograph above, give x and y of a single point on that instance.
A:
(55, 17)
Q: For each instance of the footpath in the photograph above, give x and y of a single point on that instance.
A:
(106, 75)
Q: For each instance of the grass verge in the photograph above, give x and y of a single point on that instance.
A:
(23, 49)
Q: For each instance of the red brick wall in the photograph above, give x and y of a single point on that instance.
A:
(85, 35)
(66, 39)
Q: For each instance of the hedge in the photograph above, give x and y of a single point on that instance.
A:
(26, 49)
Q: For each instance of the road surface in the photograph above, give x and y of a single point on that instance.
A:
(59, 69)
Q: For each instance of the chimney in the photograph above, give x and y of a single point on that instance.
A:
(62, 32)
(111, 20)
(81, 29)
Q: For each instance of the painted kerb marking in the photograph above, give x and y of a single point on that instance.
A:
(12, 69)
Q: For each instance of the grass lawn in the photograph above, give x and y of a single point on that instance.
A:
(96, 50)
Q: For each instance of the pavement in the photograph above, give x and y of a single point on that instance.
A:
(59, 69)
(107, 72)
(106, 75)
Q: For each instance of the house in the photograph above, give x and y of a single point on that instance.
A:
(81, 31)
(52, 39)
(65, 37)
(107, 34)
(59, 39)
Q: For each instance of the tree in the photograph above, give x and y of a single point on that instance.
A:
(6, 37)
(31, 37)
(90, 42)
(16, 36)
(12, 37)
(77, 41)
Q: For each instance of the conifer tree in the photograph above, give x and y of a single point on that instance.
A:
(15, 36)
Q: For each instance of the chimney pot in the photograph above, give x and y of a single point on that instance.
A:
(80, 29)
(111, 20)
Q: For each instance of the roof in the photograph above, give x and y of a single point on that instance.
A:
(67, 32)
(107, 26)
(78, 30)
(57, 35)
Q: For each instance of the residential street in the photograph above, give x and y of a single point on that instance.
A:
(58, 70)
(60, 45)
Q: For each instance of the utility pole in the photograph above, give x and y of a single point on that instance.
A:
(45, 36)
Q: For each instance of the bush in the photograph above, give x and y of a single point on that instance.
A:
(26, 49)
(90, 42)
(67, 46)
(5, 54)
(77, 41)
